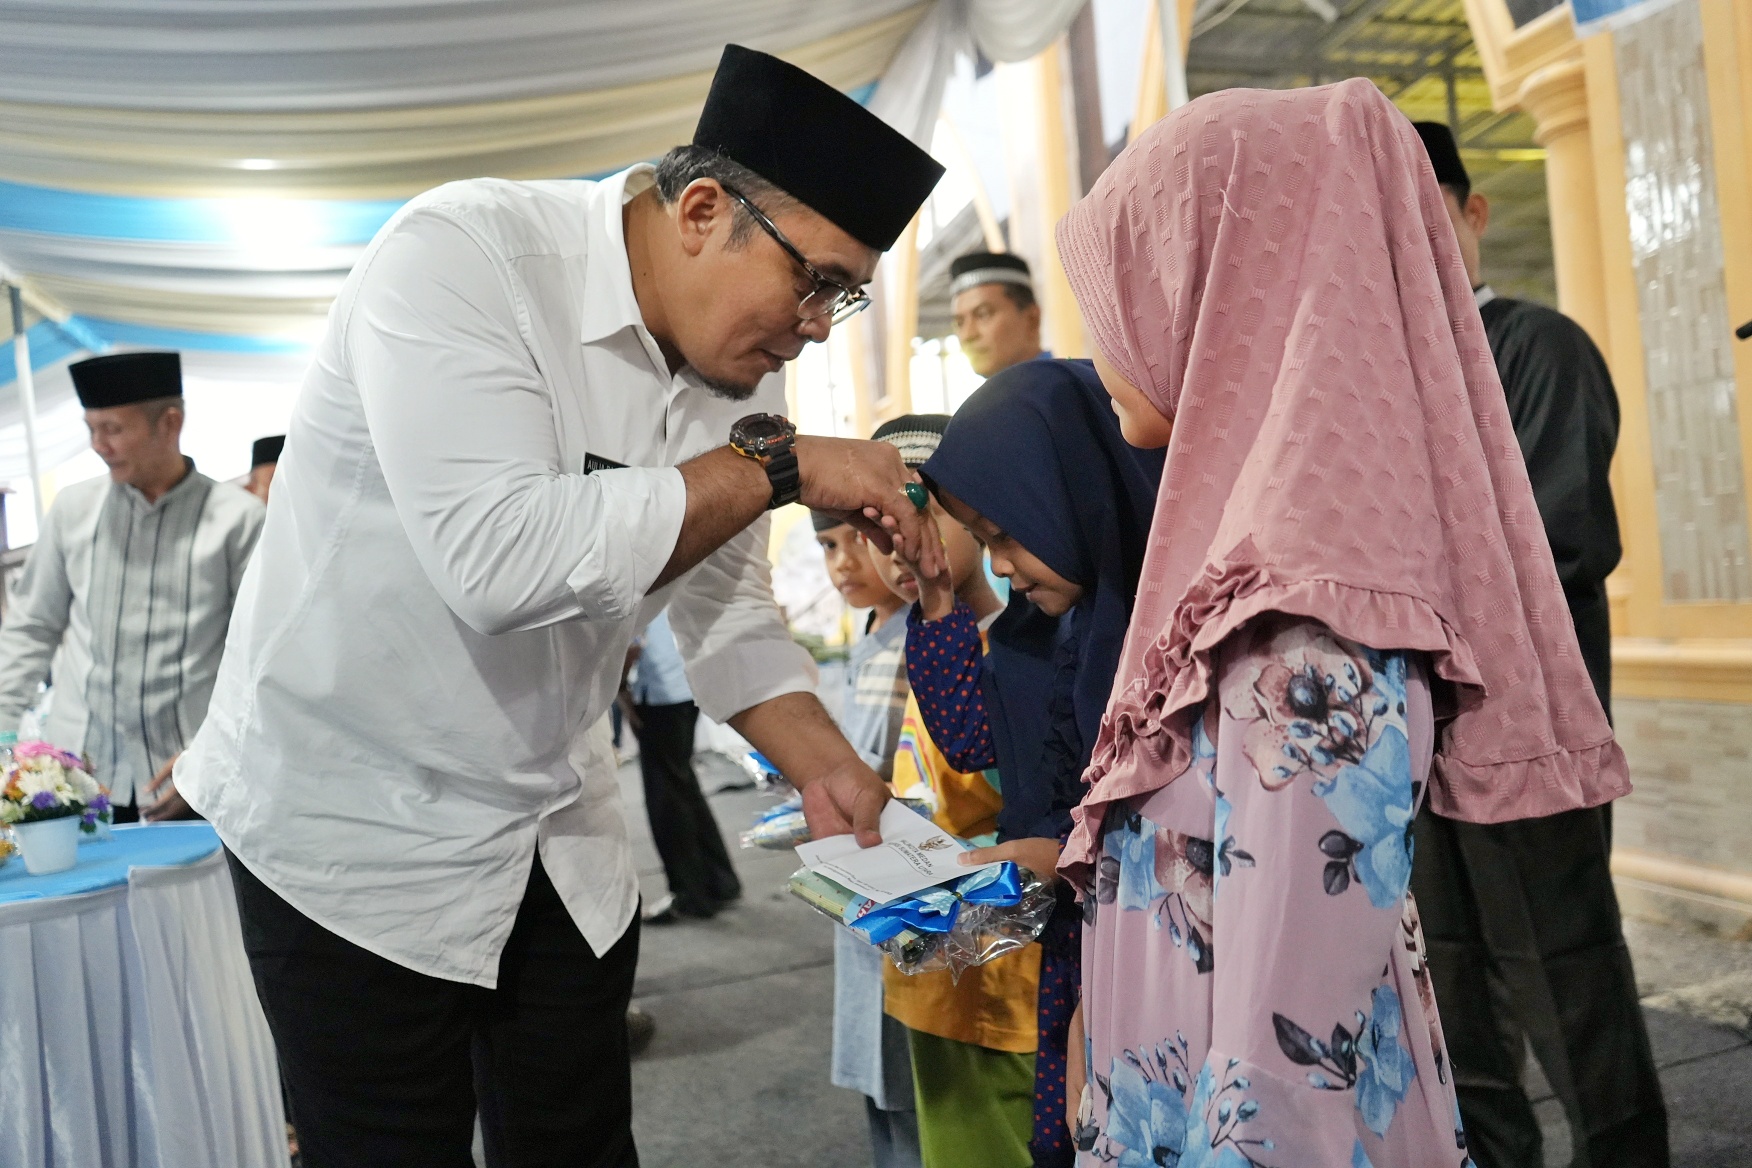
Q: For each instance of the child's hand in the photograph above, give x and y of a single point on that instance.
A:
(1039, 855)
(936, 593)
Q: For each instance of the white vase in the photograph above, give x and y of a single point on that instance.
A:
(49, 845)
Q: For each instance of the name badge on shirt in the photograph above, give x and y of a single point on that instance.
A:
(595, 462)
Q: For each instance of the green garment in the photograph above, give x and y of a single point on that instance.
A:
(975, 1105)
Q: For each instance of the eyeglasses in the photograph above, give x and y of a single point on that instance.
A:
(828, 298)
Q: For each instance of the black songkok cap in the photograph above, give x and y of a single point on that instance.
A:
(826, 520)
(1444, 154)
(266, 450)
(987, 267)
(916, 435)
(122, 379)
(815, 144)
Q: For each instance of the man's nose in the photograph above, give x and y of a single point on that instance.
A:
(816, 328)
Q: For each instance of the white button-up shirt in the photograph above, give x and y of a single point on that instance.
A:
(443, 594)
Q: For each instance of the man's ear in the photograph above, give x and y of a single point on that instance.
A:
(1032, 315)
(1477, 212)
(702, 210)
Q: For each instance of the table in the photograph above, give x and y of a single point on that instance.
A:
(130, 1032)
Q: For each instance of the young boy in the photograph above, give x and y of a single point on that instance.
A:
(973, 1041)
(870, 1053)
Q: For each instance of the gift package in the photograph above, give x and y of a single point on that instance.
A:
(911, 897)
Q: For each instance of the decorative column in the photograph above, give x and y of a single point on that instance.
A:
(1039, 159)
(1556, 97)
(901, 286)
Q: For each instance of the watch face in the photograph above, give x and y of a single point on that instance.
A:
(758, 431)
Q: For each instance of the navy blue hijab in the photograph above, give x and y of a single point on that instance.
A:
(1037, 450)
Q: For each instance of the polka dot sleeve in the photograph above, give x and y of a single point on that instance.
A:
(945, 663)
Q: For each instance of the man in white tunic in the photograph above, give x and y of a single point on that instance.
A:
(509, 454)
(127, 593)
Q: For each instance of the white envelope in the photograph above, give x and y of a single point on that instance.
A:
(914, 853)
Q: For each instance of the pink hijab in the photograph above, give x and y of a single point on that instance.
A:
(1277, 272)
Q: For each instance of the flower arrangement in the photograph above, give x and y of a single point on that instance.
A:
(44, 782)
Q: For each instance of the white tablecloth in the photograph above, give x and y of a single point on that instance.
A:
(130, 1032)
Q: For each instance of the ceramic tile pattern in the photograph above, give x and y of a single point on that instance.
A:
(1691, 763)
(1676, 243)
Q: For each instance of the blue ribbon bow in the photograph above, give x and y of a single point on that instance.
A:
(935, 909)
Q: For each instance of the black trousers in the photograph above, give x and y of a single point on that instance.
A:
(385, 1067)
(695, 860)
(1526, 946)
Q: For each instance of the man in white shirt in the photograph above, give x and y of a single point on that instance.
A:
(509, 454)
(128, 590)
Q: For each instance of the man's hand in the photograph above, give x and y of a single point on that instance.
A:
(865, 484)
(840, 792)
(168, 804)
(849, 798)
(1039, 855)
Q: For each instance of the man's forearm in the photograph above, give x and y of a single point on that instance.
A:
(725, 493)
(797, 735)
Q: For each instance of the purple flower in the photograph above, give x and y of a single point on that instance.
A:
(101, 803)
(43, 800)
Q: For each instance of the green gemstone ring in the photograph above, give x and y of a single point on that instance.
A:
(920, 497)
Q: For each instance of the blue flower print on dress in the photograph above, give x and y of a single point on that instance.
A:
(1126, 872)
(1144, 867)
(1336, 713)
(1388, 1067)
(1371, 1059)
(1146, 1108)
(1147, 1118)
(1360, 1158)
(1220, 1110)
(1373, 801)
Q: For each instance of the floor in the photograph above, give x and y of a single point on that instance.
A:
(737, 1074)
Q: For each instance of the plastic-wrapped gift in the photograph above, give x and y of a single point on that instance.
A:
(782, 825)
(965, 922)
(779, 828)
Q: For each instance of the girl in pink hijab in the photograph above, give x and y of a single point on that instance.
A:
(1348, 607)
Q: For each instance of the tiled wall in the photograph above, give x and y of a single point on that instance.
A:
(1691, 763)
(1676, 244)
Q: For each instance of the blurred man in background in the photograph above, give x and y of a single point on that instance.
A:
(128, 591)
(695, 862)
(264, 457)
(996, 317)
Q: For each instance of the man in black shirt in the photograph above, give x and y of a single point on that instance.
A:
(1521, 920)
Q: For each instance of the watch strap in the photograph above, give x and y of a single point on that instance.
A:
(785, 476)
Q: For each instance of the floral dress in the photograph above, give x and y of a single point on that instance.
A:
(1254, 992)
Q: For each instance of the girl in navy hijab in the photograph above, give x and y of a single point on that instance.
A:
(1034, 465)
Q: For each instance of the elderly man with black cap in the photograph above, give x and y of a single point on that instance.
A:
(542, 412)
(128, 591)
(997, 320)
(1521, 919)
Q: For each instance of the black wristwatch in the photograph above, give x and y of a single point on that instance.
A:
(771, 441)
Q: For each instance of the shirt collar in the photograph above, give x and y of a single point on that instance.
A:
(138, 499)
(609, 303)
(1484, 294)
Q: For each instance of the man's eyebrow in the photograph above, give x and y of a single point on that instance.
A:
(839, 275)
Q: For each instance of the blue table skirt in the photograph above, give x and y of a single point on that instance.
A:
(105, 864)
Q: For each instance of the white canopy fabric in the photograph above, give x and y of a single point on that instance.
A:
(203, 176)
(357, 99)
